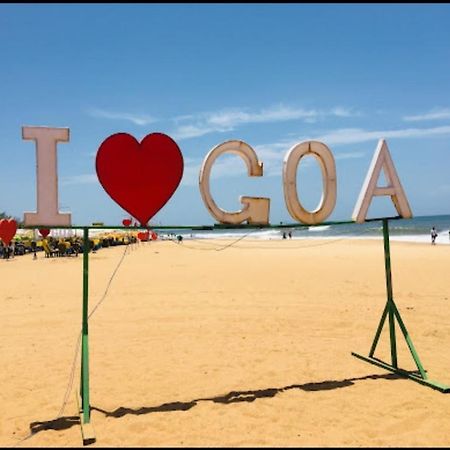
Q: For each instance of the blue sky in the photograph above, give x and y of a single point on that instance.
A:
(271, 75)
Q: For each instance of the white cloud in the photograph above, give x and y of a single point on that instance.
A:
(344, 136)
(137, 119)
(79, 179)
(350, 155)
(225, 166)
(344, 112)
(196, 125)
(190, 173)
(273, 154)
(435, 114)
(190, 131)
(229, 119)
(356, 135)
(232, 118)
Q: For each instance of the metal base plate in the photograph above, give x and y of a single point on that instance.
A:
(411, 375)
(87, 430)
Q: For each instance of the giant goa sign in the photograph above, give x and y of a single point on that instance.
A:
(142, 177)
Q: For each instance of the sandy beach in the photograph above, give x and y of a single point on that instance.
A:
(199, 344)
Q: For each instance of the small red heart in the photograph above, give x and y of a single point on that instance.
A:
(8, 230)
(44, 232)
(126, 222)
(143, 236)
(140, 177)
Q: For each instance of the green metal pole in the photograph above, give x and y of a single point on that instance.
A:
(393, 313)
(84, 338)
(387, 264)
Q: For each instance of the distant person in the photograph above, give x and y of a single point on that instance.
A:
(290, 234)
(33, 249)
(92, 246)
(180, 239)
(7, 251)
(433, 236)
(284, 235)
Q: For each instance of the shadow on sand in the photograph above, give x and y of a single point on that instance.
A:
(63, 423)
(243, 396)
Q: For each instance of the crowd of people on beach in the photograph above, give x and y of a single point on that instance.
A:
(60, 247)
(73, 246)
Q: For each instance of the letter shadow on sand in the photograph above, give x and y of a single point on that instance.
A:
(63, 423)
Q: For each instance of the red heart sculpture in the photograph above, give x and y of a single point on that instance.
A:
(140, 177)
(143, 236)
(8, 230)
(126, 222)
(44, 232)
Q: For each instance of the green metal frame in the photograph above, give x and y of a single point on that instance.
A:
(391, 312)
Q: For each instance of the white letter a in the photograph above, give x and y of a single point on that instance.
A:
(381, 160)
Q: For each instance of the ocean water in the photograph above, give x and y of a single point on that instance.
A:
(416, 229)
